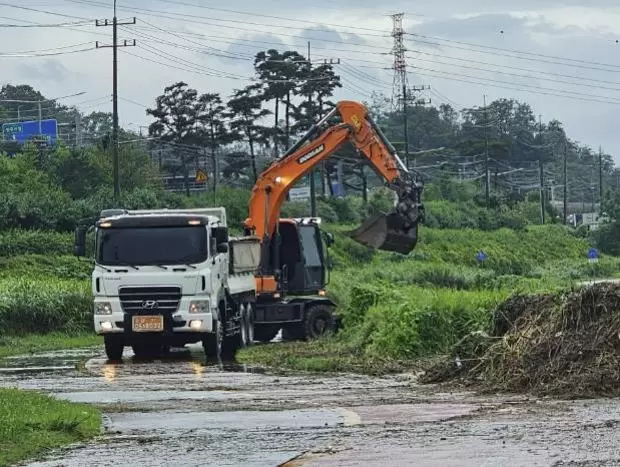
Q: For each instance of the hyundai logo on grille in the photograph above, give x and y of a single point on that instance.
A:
(149, 304)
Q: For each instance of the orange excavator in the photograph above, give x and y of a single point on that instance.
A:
(294, 252)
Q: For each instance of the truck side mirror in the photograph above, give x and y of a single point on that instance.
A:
(222, 248)
(220, 234)
(80, 241)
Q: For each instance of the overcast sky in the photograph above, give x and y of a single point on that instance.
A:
(570, 49)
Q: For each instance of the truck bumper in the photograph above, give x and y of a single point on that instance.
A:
(115, 320)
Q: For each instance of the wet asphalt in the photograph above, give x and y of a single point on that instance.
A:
(186, 411)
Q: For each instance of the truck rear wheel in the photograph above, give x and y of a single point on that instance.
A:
(247, 325)
(114, 346)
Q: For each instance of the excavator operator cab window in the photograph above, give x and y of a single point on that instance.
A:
(301, 251)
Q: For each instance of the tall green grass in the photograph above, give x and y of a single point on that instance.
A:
(393, 306)
(32, 423)
(44, 304)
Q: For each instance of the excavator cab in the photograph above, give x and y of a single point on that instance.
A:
(301, 256)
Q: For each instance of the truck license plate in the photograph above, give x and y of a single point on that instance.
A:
(148, 323)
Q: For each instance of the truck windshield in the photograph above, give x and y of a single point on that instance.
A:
(152, 245)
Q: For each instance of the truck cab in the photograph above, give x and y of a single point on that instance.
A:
(163, 278)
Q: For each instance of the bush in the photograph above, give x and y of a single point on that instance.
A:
(20, 242)
(61, 267)
(44, 305)
(413, 322)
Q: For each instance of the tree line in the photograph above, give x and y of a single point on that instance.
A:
(237, 135)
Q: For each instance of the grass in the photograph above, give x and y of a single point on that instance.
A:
(33, 343)
(395, 308)
(324, 355)
(32, 424)
(30, 305)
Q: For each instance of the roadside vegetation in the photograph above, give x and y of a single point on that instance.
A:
(395, 309)
(31, 424)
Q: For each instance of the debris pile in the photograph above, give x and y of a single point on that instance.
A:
(564, 344)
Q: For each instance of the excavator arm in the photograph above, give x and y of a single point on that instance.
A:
(396, 231)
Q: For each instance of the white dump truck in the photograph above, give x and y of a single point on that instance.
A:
(165, 278)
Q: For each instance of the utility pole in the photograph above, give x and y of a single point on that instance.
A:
(542, 173)
(486, 153)
(313, 172)
(115, 23)
(600, 175)
(565, 183)
(542, 191)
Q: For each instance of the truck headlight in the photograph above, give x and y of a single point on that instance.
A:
(199, 306)
(103, 308)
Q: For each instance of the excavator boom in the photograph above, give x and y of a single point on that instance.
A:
(395, 231)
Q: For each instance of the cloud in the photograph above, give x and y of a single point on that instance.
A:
(50, 69)
(563, 28)
(532, 76)
(327, 34)
(251, 44)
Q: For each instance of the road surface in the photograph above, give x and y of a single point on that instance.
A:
(183, 411)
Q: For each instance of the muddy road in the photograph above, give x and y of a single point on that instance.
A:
(186, 411)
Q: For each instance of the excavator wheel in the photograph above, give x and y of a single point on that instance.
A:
(387, 233)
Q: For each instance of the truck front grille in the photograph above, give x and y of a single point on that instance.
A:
(141, 300)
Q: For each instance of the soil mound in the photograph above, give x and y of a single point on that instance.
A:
(564, 344)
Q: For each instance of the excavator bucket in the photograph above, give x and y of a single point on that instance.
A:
(386, 232)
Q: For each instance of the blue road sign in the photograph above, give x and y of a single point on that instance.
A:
(21, 132)
(592, 253)
(338, 190)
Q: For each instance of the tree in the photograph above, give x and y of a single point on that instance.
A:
(318, 85)
(280, 74)
(244, 111)
(177, 114)
(268, 66)
(212, 115)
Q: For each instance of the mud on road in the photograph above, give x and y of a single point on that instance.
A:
(186, 411)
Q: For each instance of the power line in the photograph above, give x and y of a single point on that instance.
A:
(192, 19)
(41, 25)
(184, 16)
(47, 54)
(490, 52)
(572, 94)
(518, 75)
(562, 75)
(43, 11)
(254, 14)
(500, 49)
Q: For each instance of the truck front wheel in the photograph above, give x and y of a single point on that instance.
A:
(213, 342)
(114, 346)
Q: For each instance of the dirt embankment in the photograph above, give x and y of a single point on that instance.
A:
(564, 344)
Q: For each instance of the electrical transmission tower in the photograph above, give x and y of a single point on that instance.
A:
(402, 94)
(401, 83)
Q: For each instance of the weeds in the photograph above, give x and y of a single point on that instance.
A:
(31, 423)
(44, 305)
(563, 344)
